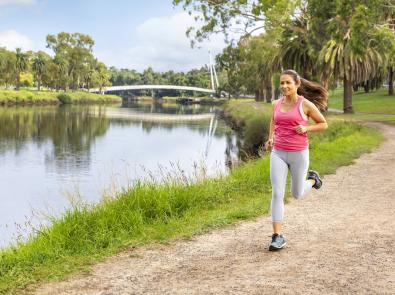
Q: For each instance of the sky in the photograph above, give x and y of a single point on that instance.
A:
(132, 34)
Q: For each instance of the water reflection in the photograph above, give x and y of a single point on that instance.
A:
(69, 130)
(167, 107)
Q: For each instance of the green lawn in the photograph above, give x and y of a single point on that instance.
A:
(376, 102)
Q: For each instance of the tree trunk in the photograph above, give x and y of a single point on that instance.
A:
(366, 86)
(259, 95)
(277, 93)
(18, 82)
(391, 81)
(347, 95)
(268, 93)
(355, 87)
(38, 84)
(373, 84)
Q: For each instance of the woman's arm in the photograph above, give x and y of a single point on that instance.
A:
(270, 140)
(312, 111)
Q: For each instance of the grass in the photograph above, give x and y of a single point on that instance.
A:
(375, 102)
(152, 212)
(29, 97)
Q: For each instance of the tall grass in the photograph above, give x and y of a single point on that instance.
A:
(149, 212)
(252, 120)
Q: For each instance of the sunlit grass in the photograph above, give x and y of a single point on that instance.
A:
(23, 96)
(376, 101)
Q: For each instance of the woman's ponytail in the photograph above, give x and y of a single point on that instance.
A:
(314, 92)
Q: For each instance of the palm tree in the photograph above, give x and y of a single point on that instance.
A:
(296, 52)
(388, 15)
(391, 66)
(39, 67)
(341, 62)
(21, 65)
(103, 75)
(62, 66)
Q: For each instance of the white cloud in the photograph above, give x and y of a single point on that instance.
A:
(17, 2)
(163, 45)
(12, 39)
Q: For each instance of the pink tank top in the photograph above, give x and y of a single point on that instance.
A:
(285, 136)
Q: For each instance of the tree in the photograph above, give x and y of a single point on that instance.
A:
(241, 16)
(101, 76)
(229, 61)
(62, 74)
(74, 48)
(353, 52)
(148, 76)
(39, 66)
(7, 67)
(297, 49)
(21, 65)
(388, 16)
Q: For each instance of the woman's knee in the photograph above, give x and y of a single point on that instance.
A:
(278, 195)
(297, 193)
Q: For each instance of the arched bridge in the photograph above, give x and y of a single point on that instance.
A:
(150, 87)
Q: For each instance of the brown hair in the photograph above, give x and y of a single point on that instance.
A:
(314, 92)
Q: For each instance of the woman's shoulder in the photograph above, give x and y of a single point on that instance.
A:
(275, 101)
(306, 102)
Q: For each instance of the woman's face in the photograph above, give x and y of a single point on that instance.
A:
(288, 85)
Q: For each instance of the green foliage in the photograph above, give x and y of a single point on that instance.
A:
(64, 98)
(326, 41)
(253, 118)
(12, 97)
(217, 16)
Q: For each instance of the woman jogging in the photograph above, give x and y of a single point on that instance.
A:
(289, 144)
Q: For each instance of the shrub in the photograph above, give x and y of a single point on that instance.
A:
(64, 98)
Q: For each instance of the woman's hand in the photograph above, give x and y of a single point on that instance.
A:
(301, 129)
(269, 144)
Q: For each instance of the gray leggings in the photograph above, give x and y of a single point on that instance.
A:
(298, 163)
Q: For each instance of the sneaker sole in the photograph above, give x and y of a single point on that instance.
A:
(271, 248)
(319, 178)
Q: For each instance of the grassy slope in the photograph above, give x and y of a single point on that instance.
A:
(151, 212)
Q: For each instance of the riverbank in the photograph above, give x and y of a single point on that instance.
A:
(149, 212)
(29, 97)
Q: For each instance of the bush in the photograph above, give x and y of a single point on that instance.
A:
(64, 98)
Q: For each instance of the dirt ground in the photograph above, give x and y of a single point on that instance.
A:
(340, 240)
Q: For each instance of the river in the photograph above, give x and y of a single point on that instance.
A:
(52, 158)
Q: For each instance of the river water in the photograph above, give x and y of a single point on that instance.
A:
(54, 157)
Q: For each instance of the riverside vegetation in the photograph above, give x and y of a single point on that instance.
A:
(27, 97)
(150, 211)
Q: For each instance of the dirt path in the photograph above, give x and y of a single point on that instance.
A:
(340, 240)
